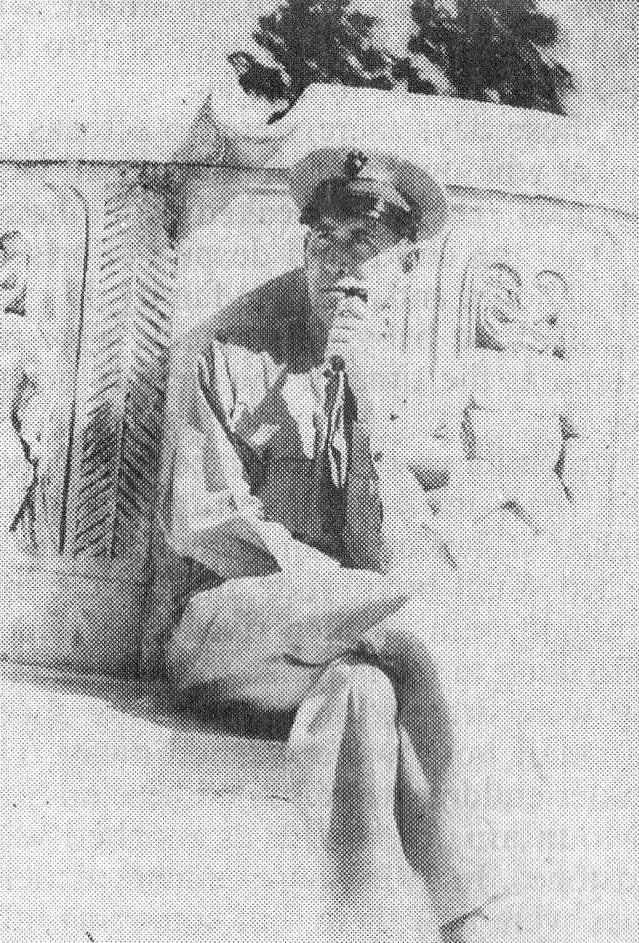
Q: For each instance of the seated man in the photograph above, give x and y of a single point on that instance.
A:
(322, 605)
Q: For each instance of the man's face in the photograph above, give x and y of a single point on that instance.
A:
(341, 248)
(522, 310)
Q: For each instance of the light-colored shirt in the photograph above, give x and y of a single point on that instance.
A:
(267, 459)
(268, 453)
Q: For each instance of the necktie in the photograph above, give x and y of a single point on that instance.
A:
(340, 410)
(333, 452)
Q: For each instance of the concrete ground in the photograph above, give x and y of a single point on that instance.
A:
(123, 821)
(127, 820)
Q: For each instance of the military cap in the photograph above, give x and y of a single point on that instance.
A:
(373, 183)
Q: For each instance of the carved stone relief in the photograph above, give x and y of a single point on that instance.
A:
(33, 297)
(86, 273)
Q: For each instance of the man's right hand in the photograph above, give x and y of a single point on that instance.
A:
(360, 338)
(349, 345)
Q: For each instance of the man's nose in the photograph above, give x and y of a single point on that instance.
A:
(340, 260)
(341, 247)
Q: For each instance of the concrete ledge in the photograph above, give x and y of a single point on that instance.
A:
(122, 819)
(59, 613)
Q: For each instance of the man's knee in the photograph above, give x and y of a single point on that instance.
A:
(345, 733)
(371, 690)
(347, 695)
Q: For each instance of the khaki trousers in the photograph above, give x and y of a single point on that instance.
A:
(397, 740)
(482, 730)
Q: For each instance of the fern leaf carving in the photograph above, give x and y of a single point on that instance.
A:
(125, 377)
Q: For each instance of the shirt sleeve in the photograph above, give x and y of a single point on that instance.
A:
(214, 516)
(425, 433)
(388, 520)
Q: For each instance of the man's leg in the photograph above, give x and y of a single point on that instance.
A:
(343, 754)
(466, 783)
(426, 750)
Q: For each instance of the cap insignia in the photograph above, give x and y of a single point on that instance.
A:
(354, 164)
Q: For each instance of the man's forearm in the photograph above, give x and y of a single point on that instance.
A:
(306, 618)
(215, 520)
(243, 546)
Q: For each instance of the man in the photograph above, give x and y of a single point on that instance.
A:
(291, 495)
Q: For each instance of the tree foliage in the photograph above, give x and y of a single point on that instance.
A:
(491, 50)
(488, 50)
(313, 41)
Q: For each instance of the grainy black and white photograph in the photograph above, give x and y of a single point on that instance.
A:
(319, 504)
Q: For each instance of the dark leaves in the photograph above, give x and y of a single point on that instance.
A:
(493, 50)
(487, 50)
(311, 41)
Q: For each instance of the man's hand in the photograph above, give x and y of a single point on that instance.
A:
(360, 340)
(348, 342)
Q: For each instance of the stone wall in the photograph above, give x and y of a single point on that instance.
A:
(123, 291)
